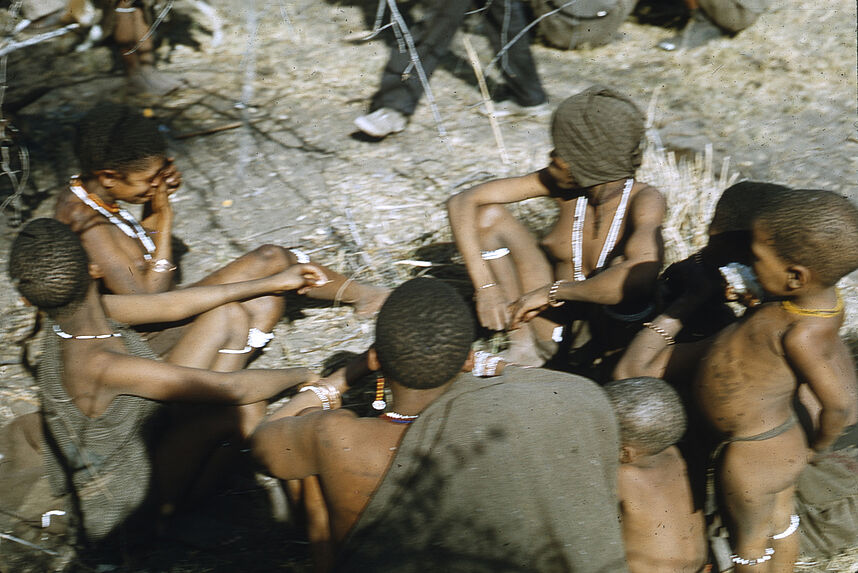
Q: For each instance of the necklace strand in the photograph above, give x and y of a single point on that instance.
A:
(63, 334)
(398, 418)
(128, 225)
(610, 240)
(793, 308)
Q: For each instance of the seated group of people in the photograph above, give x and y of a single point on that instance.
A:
(479, 462)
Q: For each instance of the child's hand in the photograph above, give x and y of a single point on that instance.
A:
(299, 277)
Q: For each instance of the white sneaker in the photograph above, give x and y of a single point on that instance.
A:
(382, 122)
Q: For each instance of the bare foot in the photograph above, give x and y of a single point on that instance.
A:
(369, 300)
(526, 350)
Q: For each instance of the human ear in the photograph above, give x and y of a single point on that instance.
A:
(372, 360)
(107, 178)
(627, 455)
(797, 276)
(95, 271)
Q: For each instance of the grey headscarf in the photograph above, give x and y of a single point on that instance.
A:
(600, 134)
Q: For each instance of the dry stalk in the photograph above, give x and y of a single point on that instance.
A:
(487, 100)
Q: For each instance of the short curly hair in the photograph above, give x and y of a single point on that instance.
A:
(649, 411)
(423, 333)
(814, 228)
(117, 137)
(49, 266)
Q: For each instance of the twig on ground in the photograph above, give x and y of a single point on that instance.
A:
(26, 543)
(487, 100)
(209, 131)
(13, 46)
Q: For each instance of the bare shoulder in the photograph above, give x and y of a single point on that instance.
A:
(72, 212)
(648, 202)
(815, 335)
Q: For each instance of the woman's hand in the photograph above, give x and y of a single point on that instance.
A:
(492, 307)
(528, 306)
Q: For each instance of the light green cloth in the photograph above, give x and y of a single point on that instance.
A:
(103, 462)
(514, 473)
(600, 135)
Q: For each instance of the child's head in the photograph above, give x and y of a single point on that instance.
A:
(809, 229)
(423, 334)
(730, 228)
(599, 135)
(49, 266)
(117, 138)
(650, 414)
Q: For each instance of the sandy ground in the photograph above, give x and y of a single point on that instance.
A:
(778, 102)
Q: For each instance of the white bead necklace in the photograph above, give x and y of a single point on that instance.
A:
(128, 225)
(610, 240)
(63, 334)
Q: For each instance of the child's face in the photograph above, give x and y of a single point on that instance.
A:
(138, 186)
(771, 270)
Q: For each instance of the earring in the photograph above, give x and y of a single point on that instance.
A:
(379, 403)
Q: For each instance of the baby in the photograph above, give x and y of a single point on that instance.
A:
(662, 530)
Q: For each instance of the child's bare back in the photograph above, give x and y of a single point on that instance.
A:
(745, 385)
(661, 528)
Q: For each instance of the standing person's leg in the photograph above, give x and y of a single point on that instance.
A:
(505, 20)
(401, 88)
(758, 483)
(733, 15)
(129, 28)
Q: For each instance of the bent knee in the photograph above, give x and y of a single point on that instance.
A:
(272, 258)
(230, 317)
(490, 216)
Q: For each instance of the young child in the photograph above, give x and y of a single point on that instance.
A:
(662, 530)
(109, 442)
(803, 242)
(123, 158)
(604, 250)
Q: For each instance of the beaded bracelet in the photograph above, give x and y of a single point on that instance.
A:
(552, 295)
(492, 365)
(751, 562)
(320, 394)
(661, 332)
(480, 359)
(162, 266)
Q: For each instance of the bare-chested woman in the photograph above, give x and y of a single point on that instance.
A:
(123, 159)
(604, 249)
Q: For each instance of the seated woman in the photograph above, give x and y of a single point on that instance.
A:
(123, 158)
(605, 249)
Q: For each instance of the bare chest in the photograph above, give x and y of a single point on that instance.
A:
(588, 238)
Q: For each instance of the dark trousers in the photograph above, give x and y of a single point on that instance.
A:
(400, 85)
